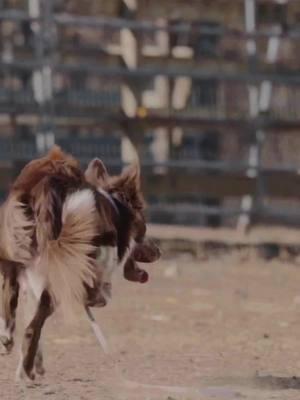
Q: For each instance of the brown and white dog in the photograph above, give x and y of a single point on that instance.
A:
(114, 189)
(55, 226)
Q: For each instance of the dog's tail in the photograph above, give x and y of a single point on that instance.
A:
(68, 257)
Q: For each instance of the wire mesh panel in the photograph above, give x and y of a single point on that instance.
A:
(210, 103)
(106, 148)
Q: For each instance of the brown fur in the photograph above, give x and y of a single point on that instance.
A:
(145, 252)
(64, 250)
(55, 161)
(10, 295)
(58, 248)
(69, 260)
(32, 336)
(127, 187)
(16, 231)
(53, 223)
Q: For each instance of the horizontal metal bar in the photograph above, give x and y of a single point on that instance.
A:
(185, 27)
(192, 209)
(281, 212)
(283, 215)
(290, 78)
(111, 148)
(114, 23)
(257, 235)
(276, 215)
(221, 166)
(173, 72)
(220, 185)
(223, 211)
(111, 116)
(15, 15)
(243, 124)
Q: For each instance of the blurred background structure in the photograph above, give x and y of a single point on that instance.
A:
(207, 93)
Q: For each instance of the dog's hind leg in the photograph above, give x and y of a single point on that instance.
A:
(9, 303)
(31, 352)
(32, 306)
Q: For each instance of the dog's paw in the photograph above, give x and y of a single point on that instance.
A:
(106, 291)
(7, 344)
(24, 376)
(40, 370)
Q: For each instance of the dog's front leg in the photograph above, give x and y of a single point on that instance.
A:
(108, 259)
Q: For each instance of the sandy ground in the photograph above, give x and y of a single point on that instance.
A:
(223, 328)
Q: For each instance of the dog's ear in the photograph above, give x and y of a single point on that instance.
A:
(131, 182)
(131, 176)
(96, 173)
(128, 184)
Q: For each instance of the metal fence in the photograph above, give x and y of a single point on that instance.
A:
(53, 78)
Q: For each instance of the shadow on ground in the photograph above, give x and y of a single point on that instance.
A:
(277, 382)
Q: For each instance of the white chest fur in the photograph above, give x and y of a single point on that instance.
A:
(108, 258)
(108, 255)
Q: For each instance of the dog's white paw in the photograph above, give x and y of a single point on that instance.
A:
(22, 375)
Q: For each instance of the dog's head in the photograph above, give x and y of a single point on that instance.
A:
(124, 189)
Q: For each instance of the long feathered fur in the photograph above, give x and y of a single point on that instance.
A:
(48, 224)
(67, 259)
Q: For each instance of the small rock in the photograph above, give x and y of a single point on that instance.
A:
(159, 318)
(171, 272)
(283, 324)
(171, 300)
(201, 292)
(202, 306)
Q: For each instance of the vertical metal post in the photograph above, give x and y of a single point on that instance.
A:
(7, 44)
(250, 26)
(259, 102)
(41, 10)
(50, 40)
(129, 94)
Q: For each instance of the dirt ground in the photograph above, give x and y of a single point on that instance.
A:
(223, 328)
